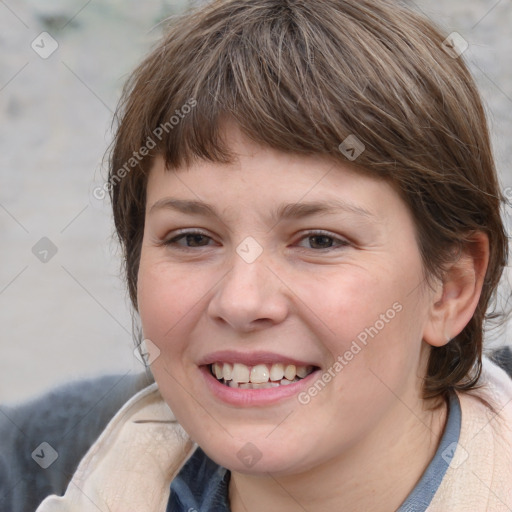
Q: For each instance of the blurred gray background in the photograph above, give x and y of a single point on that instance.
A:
(64, 311)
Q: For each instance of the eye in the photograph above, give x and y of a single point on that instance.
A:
(322, 240)
(317, 240)
(189, 239)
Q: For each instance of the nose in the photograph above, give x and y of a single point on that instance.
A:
(251, 296)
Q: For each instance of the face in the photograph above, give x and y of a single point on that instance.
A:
(300, 283)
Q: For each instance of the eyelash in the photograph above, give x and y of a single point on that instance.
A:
(318, 233)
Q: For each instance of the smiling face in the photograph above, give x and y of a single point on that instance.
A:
(277, 261)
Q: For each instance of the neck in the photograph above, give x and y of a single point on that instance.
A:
(377, 474)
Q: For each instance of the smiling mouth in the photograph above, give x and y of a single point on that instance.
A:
(260, 376)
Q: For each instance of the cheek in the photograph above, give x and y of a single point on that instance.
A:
(343, 303)
(369, 322)
(167, 298)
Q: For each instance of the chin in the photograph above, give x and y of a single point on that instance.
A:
(255, 459)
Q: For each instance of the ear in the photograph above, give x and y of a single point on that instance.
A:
(456, 297)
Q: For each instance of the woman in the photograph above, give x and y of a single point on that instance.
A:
(310, 216)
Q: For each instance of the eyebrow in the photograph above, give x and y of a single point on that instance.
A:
(285, 211)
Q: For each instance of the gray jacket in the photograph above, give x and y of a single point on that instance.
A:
(63, 423)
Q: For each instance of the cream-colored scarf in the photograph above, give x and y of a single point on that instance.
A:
(131, 465)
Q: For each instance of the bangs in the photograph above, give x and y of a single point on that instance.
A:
(292, 80)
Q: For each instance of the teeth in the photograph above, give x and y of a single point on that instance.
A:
(264, 385)
(259, 376)
(240, 373)
(303, 371)
(217, 369)
(227, 371)
(290, 371)
(277, 372)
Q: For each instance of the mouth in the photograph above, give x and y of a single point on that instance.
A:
(259, 376)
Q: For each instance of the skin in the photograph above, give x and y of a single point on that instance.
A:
(305, 297)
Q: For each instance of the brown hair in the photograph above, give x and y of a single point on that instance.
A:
(301, 76)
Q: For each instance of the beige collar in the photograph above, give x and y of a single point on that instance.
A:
(131, 466)
(479, 477)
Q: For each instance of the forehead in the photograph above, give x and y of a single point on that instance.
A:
(280, 183)
(257, 196)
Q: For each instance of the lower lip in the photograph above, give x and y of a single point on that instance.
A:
(254, 397)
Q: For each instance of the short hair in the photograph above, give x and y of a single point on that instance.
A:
(301, 76)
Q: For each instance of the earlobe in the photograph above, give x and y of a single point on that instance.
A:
(456, 298)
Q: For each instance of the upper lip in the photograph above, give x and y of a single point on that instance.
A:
(250, 358)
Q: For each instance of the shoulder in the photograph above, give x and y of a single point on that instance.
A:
(62, 423)
(132, 463)
(479, 474)
(487, 409)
